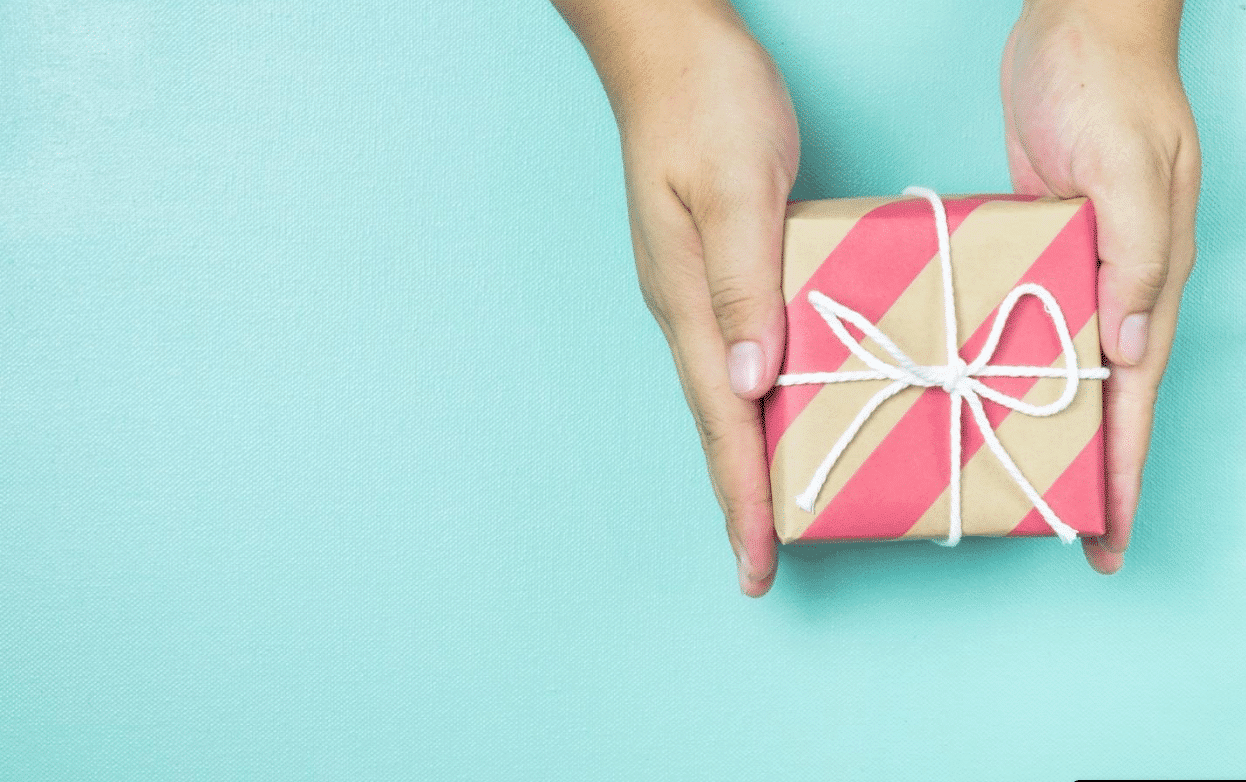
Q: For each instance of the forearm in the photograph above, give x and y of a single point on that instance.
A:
(634, 44)
(605, 26)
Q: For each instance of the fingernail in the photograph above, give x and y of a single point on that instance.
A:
(1132, 340)
(744, 364)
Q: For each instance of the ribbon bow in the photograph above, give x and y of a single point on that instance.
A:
(958, 378)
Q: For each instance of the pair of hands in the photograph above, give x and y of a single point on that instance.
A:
(1093, 106)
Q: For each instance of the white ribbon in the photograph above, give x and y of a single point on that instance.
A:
(956, 377)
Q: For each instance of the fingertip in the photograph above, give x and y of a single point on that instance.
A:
(756, 588)
(757, 562)
(1102, 559)
(1106, 543)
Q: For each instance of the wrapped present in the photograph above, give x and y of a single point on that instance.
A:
(943, 372)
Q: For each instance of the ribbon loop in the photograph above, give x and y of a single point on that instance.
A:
(958, 378)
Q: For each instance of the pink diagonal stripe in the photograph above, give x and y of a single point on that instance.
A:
(1077, 496)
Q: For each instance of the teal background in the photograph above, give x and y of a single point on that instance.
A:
(337, 444)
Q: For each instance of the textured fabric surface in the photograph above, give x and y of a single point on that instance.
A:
(336, 442)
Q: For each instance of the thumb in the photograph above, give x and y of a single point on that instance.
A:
(742, 243)
(1134, 238)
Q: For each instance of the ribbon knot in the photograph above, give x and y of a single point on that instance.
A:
(957, 374)
(957, 377)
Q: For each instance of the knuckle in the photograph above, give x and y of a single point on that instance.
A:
(733, 305)
(1125, 466)
(1141, 396)
(730, 187)
(722, 447)
(1147, 280)
(741, 511)
(660, 288)
(715, 197)
(1130, 399)
(734, 508)
(713, 432)
(733, 516)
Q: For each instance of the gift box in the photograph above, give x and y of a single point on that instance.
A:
(930, 393)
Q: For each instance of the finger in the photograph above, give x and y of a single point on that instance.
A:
(1100, 558)
(1129, 403)
(672, 275)
(1131, 192)
(1131, 393)
(740, 219)
(1128, 412)
(731, 434)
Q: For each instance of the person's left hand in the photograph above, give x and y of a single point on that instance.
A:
(1094, 106)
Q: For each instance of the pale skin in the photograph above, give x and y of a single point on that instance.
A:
(1093, 106)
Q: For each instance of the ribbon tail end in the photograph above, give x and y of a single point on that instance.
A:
(950, 542)
(805, 502)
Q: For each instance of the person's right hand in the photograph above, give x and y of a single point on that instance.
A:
(1094, 106)
(710, 151)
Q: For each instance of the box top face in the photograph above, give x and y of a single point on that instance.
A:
(879, 256)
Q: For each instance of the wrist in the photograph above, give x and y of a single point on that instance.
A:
(1148, 27)
(639, 48)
